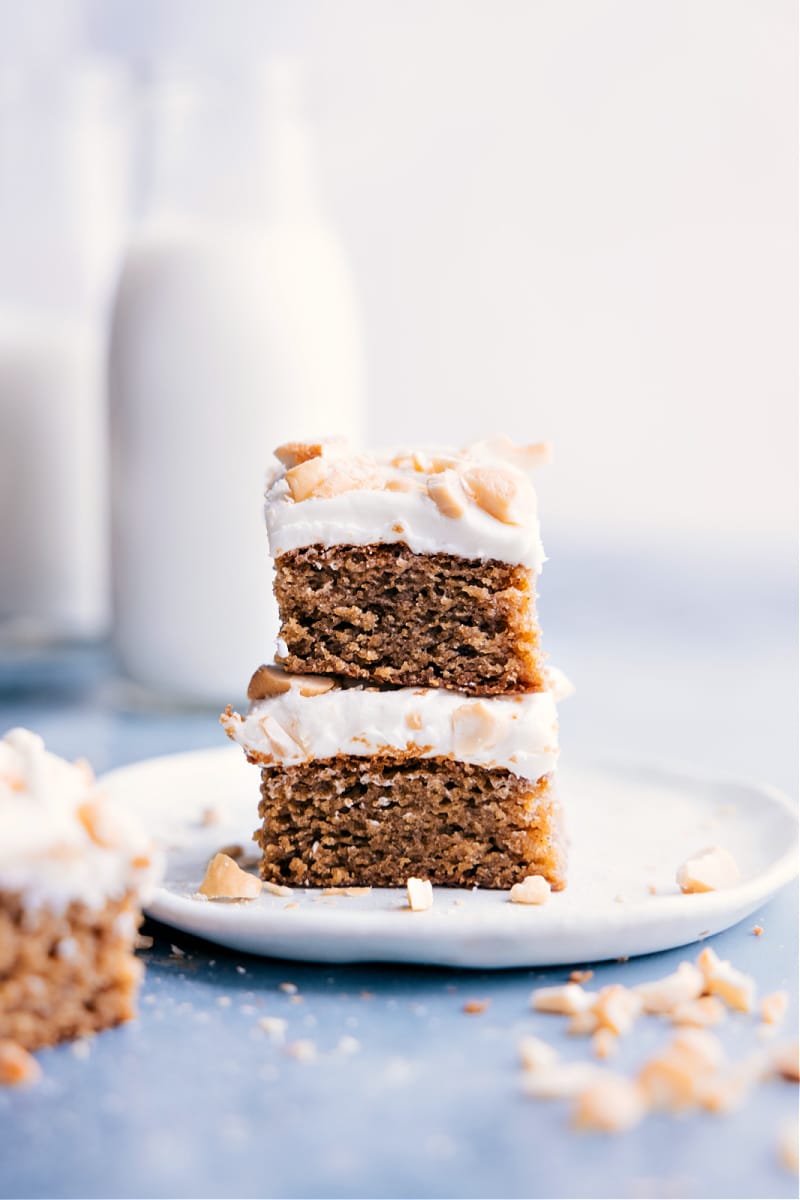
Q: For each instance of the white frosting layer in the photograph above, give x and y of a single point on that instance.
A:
(59, 841)
(364, 517)
(371, 512)
(518, 733)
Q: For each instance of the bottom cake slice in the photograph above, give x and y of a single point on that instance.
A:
(367, 786)
(378, 820)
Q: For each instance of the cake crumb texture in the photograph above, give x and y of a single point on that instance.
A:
(383, 613)
(65, 974)
(377, 821)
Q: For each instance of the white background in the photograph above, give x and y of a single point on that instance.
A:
(577, 220)
(572, 219)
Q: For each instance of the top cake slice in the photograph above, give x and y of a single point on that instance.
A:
(409, 568)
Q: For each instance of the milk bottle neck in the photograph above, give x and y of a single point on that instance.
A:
(290, 190)
(235, 151)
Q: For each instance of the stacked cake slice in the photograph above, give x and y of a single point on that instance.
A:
(409, 727)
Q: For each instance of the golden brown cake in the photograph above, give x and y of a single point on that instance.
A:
(72, 875)
(65, 974)
(348, 822)
(382, 614)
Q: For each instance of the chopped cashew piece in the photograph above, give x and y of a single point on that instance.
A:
(277, 889)
(535, 1054)
(611, 1104)
(663, 995)
(616, 1008)
(788, 1148)
(501, 492)
(605, 1043)
(420, 894)
(268, 681)
(474, 728)
(534, 889)
(583, 1024)
(708, 960)
(733, 987)
(95, 820)
(402, 485)
(701, 1013)
(703, 1048)
(710, 870)
(17, 1066)
(281, 742)
(475, 1007)
(305, 478)
(725, 1091)
(675, 1078)
(786, 1061)
(314, 685)
(446, 492)
(224, 880)
(352, 475)
(566, 999)
(773, 1008)
(668, 1083)
(293, 453)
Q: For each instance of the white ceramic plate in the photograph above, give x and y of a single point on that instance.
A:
(629, 830)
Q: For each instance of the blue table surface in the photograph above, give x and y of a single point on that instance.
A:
(193, 1099)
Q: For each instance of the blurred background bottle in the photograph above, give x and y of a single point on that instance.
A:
(235, 327)
(63, 212)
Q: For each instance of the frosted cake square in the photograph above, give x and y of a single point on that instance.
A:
(72, 876)
(409, 568)
(368, 786)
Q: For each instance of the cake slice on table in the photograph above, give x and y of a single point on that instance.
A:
(368, 786)
(411, 567)
(72, 876)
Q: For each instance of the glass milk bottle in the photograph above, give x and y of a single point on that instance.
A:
(235, 328)
(63, 209)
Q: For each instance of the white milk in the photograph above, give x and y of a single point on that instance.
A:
(53, 538)
(227, 339)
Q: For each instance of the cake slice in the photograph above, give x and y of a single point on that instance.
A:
(363, 785)
(409, 568)
(72, 875)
